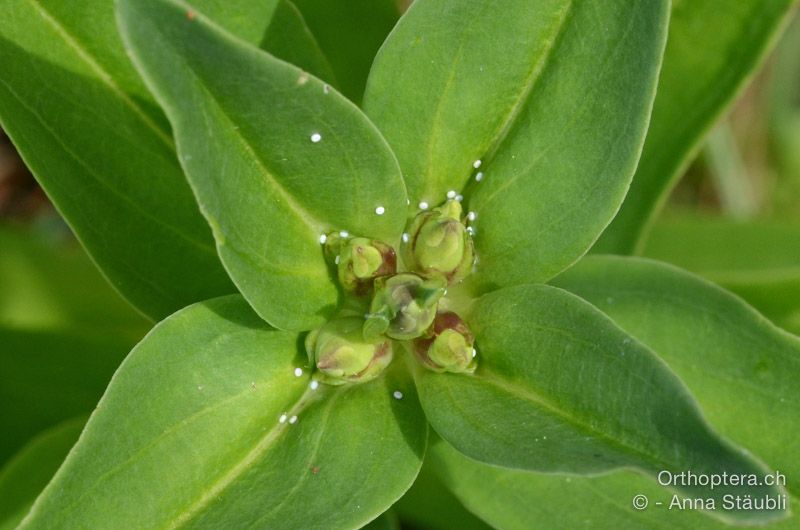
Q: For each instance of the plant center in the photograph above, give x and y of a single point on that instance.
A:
(385, 308)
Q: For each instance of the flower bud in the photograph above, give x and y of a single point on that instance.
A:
(404, 306)
(450, 348)
(359, 261)
(342, 354)
(439, 244)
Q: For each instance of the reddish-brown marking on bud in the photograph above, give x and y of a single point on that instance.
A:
(445, 320)
(190, 15)
(387, 268)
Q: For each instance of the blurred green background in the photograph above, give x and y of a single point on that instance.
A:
(734, 217)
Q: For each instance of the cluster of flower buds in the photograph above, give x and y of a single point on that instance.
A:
(449, 345)
(342, 354)
(403, 307)
(439, 244)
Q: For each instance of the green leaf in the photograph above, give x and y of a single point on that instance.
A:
(275, 158)
(560, 388)
(742, 370)
(718, 54)
(350, 33)
(94, 138)
(735, 361)
(758, 260)
(520, 500)
(52, 375)
(188, 434)
(429, 505)
(289, 38)
(63, 332)
(26, 475)
(87, 128)
(718, 246)
(553, 97)
(386, 521)
(276, 26)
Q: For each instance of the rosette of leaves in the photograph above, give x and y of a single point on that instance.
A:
(531, 114)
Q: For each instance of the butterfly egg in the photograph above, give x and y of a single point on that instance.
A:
(397, 394)
(476, 164)
(380, 210)
(472, 216)
(451, 194)
(423, 205)
(479, 176)
(316, 137)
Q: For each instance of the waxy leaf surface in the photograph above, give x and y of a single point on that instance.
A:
(713, 48)
(552, 97)
(733, 359)
(522, 500)
(560, 388)
(189, 434)
(95, 139)
(275, 157)
(742, 370)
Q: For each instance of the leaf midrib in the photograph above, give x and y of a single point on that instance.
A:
(90, 171)
(262, 446)
(311, 458)
(497, 380)
(102, 74)
(314, 224)
(537, 67)
(156, 441)
(580, 110)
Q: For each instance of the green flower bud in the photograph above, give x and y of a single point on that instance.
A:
(342, 354)
(439, 244)
(450, 348)
(404, 306)
(362, 260)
